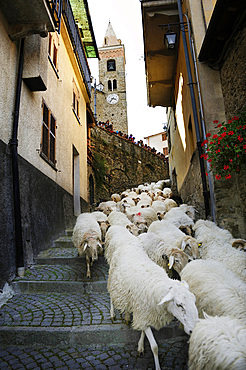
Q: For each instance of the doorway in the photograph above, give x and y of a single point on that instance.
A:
(76, 183)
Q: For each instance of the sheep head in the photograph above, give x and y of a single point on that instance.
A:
(180, 302)
(104, 225)
(90, 247)
(190, 246)
(177, 260)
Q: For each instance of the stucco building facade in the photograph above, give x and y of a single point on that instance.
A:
(45, 113)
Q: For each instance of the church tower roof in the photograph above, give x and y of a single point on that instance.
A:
(110, 38)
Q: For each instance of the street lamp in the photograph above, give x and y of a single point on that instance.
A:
(97, 87)
(170, 38)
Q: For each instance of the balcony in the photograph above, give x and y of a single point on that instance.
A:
(77, 43)
(31, 17)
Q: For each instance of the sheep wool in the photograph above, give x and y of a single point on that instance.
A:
(215, 245)
(87, 238)
(218, 343)
(138, 285)
(218, 290)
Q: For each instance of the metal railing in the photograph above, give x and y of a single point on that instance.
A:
(77, 43)
(56, 9)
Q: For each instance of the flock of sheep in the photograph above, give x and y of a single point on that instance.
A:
(165, 263)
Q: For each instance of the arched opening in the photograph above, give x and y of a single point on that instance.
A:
(111, 65)
(114, 84)
(109, 85)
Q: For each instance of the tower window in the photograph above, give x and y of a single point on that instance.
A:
(114, 84)
(111, 66)
(109, 85)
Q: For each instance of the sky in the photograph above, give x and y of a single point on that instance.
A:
(126, 20)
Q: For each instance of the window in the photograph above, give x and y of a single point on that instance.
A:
(111, 66)
(114, 84)
(164, 136)
(76, 98)
(48, 136)
(109, 85)
(53, 50)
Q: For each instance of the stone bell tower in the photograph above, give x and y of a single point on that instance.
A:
(112, 105)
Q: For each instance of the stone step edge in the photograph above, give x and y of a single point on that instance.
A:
(65, 260)
(87, 335)
(57, 286)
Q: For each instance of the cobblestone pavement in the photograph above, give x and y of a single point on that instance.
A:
(76, 323)
(172, 355)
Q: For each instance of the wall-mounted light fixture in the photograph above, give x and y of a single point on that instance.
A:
(170, 39)
(171, 33)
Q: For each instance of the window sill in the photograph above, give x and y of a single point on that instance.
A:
(76, 116)
(53, 66)
(46, 159)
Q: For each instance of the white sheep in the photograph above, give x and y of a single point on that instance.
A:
(167, 192)
(140, 222)
(119, 218)
(107, 207)
(139, 286)
(87, 239)
(148, 214)
(216, 245)
(178, 217)
(218, 343)
(113, 240)
(166, 256)
(116, 197)
(218, 290)
(125, 203)
(175, 237)
(102, 220)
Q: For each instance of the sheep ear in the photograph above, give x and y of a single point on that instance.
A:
(205, 315)
(183, 282)
(85, 246)
(168, 297)
(183, 245)
(171, 262)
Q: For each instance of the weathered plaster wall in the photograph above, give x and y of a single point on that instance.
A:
(46, 210)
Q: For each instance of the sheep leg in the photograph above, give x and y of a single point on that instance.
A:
(141, 344)
(153, 346)
(88, 275)
(112, 314)
(127, 318)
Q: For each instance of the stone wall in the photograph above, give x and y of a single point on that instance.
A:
(191, 190)
(122, 164)
(230, 194)
(233, 76)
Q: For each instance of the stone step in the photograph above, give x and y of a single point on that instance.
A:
(59, 287)
(63, 278)
(69, 232)
(88, 335)
(68, 318)
(64, 242)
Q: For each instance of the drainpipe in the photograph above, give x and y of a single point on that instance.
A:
(210, 181)
(15, 170)
(194, 109)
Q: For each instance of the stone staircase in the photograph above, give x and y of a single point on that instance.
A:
(55, 304)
